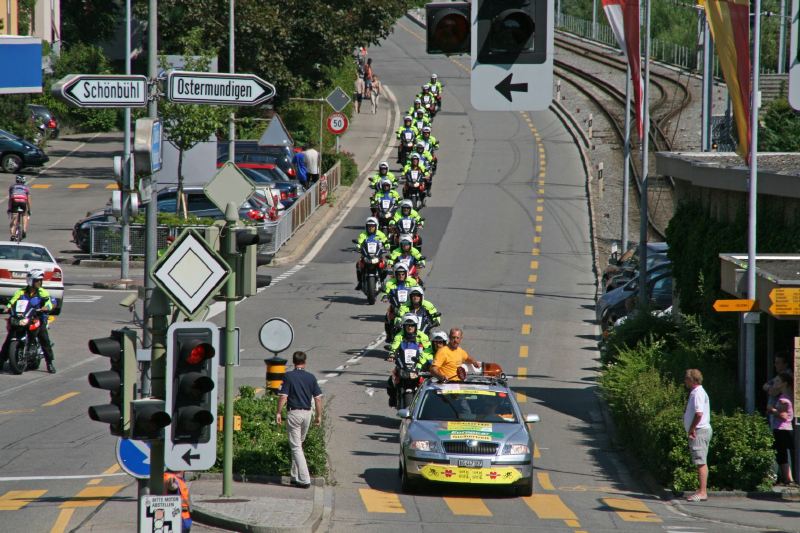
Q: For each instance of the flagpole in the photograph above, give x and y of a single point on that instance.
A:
(708, 83)
(643, 301)
(751, 319)
(626, 167)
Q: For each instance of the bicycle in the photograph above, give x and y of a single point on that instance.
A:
(17, 229)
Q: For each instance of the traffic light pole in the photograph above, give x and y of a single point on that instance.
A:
(158, 369)
(229, 253)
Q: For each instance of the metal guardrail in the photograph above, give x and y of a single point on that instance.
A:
(105, 239)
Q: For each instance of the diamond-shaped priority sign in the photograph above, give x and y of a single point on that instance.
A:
(338, 99)
(190, 273)
(229, 184)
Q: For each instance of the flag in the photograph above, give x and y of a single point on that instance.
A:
(729, 22)
(623, 17)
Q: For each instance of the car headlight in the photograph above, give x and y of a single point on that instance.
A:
(516, 449)
(423, 445)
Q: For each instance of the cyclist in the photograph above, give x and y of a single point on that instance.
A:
(19, 198)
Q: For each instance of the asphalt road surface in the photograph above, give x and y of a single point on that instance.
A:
(509, 260)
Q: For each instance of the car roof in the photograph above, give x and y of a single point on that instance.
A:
(472, 383)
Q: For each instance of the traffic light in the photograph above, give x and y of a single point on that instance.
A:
(512, 54)
(148, 419)
(246, 261)
(448, 28)
(192, 382)
(120, 381)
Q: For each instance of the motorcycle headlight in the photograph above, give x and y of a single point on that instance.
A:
(423, 445)
(23, 321)
(374, 260)
(515, 449)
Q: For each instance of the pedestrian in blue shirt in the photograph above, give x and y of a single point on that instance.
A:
(299, 161)
(298, 389)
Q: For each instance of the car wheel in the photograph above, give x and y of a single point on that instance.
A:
(11, 163)
(407, 485)
(525, 489)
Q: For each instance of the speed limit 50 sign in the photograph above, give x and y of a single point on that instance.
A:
(337, 123)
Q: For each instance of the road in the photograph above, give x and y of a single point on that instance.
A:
(509, 250)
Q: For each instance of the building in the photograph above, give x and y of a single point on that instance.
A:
(9, 15)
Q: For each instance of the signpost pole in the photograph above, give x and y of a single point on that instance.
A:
(126, 178)
(229, 253)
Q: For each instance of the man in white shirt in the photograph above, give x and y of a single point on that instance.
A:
(312, 164)
(697, 422)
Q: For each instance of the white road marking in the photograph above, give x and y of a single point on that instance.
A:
(332, 375)
(46, 478)
(9, 390)
(87, 299)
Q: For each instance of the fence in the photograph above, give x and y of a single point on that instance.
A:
(106, 239)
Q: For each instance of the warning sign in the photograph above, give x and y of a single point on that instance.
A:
(160, 514)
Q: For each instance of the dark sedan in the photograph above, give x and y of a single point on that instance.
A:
(16, 153)
(271, 175)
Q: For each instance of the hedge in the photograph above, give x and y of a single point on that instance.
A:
(642, 382)
(262, 447)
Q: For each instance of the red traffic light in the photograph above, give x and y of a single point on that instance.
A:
(448, 28)
(195, 352)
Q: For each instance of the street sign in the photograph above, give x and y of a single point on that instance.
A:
(733, 306)
(338, 99)
(337, 123)
(133, 457)
(160, 513)
(785, 301)
(512, 55)
(190, 273)
(276, 134)
(217, 88)
(93, 90)
(229, 184)
(276, 334)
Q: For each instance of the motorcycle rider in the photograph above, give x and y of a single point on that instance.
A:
(418, 306)
(371, 232)
(417, 105)
(435, 84)
(406, 253)
(385, 192)
(383, 172)
(39, 297)
(426, 94)
(19, 196)
(415, 163)
(392, 290)
(407, 126)
(425, 157)
(426, 137)
(409, 334)
(420, 120)
(407, 211)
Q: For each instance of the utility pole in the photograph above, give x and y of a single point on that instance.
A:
(594, 19)
(643, 302)
(127, 174)
(751, 319)
(782, 38)
(626, 166)
(708, 86)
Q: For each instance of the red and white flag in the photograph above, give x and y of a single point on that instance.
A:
(623, 17)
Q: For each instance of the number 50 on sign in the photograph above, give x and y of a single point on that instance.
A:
(337, 123)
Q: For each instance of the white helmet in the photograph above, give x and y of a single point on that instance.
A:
(426, 86)
(440, 336)
(409, 319)
(407, 203)
(383, 164)
(434, 76)
(407, 117)
(417, 101)
(405, 238)
(386, 181)
(35, 274)
(426, 129)
(400, 267)
(371, 220)
(416, 290)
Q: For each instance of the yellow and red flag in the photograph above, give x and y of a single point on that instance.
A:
(623, 17)
(729, 21)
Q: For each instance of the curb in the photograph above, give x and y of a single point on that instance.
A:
(311, 524)
(119, 284)
(103, 263)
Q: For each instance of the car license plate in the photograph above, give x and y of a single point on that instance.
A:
(470, 463)
(19, 275)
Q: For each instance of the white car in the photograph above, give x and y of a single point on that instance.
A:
(17, 259)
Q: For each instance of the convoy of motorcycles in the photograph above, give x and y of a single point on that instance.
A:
(390, 245)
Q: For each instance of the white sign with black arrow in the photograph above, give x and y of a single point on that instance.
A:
(92, 90)
(217, 88)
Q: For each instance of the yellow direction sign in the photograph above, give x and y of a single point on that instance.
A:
(785, 301)
(733, 306)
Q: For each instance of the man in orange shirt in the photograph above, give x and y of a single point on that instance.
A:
(449, 358)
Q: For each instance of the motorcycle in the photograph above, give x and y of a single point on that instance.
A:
(406, 145)
(414, 188)
(406, 226)
(419, 124)
(413, 269)
(384, 210)
(407, 378)
(372, 265)
(437, 95)
(429, 103)
(426, 321)
(397, 298)
(24, 350)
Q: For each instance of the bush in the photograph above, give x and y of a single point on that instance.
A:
(740, 455)
(349, 172)
(262, 447)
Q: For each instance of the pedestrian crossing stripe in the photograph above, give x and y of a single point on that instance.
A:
(14, 500)
(549, 507)
(631, 510)
(112, 186)
(83, 298)
(78, 186)
(467, 506)
(378, 501)
(40, 186)
(91, 496)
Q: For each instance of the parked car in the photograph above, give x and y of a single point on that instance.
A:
(17, 259)
(248, 154)
(44, 120)
(630, 259)
(613, 304)
(272, 176)
(627, 272)
(16, 153)
(81, 229)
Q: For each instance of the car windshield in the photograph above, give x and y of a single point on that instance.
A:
(24, 253)
(8, 136)
(474, 405)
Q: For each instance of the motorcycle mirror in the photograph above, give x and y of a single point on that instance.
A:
(387, 347)
(354, 241)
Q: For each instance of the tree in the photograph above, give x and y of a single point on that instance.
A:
(780, 130)
(185, 125)
(89, 21)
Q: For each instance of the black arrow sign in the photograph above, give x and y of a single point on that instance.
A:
(188, 456)
(505, 87)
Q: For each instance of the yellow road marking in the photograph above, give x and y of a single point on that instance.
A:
(541, 191)
(541, 175)
(467, 506)
(14, 500)
(112, 186)
(525, 330)
(534, 265)
(95, 481)
(549, 507)
(377, 501)
(79, 186)
(40, 186)
(521, 398)
(532, 278)
(540, 200)
(522, 372)
(536, 453)
(539, 208)
(528, 310)
(631, 510)
(535, 251)
(523, 350)
(529, 292)
(537, 240)
(544, 481)
(539, 218)
(15, 411)
(572, 523)
(91, 496)
(113, 469)
(62, 521)
(538, 229)
(56, 401)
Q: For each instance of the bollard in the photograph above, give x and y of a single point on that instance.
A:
(558, 90)
(276, 369)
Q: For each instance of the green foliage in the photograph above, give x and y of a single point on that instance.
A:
(349, 172)
(89, 21)
(262, 447)
(172, 220)
(740, 455)
(781, 128)
(636, 328)
(14, 115)
(25, 16)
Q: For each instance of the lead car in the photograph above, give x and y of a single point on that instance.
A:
(469, 432)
